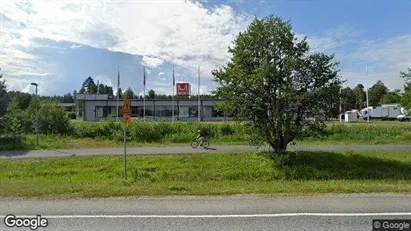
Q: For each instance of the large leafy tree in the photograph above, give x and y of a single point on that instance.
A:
(4, 99)
(68, 98)
(129, 93)
(275, 84)
(151, 94)
(89, 86)
(360, 96)
(391, 97)
(348, 96)
(376, 93)
(406, 97)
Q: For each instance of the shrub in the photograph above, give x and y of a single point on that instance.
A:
(72, 115)
(227, 130)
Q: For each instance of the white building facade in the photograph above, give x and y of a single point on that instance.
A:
(101, 107)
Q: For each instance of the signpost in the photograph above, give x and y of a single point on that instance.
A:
(183, 89)
(126, 113)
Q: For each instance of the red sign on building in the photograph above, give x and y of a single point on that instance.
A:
(183, 89)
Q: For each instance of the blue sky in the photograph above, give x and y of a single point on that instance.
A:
(60, 43)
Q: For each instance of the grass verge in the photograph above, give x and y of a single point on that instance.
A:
(208, 174)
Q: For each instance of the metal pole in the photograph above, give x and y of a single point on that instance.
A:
(172, 108)
(368, 111)
(37, 120)
(144, 104)
(118, 88)
(199, 109)
(340, 105)
(125, 152)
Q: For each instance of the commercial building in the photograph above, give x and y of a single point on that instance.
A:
(102, 107)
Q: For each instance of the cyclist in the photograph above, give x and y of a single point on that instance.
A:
(200, 137)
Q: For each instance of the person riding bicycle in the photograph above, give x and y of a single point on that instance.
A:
(200, 137)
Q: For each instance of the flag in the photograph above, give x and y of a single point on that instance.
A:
(144, 76)
(174, 79)
(118, 78)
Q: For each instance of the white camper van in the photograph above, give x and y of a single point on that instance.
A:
(405, 116)
(384, 112)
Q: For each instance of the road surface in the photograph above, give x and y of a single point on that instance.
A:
(330, 212)
(186, 149)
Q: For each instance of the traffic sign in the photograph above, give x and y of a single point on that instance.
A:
(126, 118)
(126, 111)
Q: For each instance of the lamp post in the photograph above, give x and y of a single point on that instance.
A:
(37, 116)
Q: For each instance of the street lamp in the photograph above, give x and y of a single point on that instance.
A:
(37, 117)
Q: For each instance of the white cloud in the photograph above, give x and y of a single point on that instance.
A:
(385, 59)
(184, 33)
(74, 46)
(162, 75)
(179, 32)
(151, 62)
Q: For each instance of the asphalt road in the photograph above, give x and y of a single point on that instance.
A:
(331, 212)
(187, 149)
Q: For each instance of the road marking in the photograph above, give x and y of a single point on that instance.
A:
(227, 215)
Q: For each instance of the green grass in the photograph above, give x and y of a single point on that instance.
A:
(208, 174)
(110, 134)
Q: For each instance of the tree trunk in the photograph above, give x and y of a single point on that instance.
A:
(279, 145)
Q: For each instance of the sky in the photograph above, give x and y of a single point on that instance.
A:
(58, 43)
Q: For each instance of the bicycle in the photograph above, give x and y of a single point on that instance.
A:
(197, 142)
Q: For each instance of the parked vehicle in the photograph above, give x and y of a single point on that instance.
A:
(384, 112)
(405, 116)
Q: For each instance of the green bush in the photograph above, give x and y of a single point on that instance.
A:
(227, 129)
(53, 120)
(72, 115)
(2, 126)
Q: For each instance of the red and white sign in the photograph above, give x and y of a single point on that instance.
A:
(183, 89)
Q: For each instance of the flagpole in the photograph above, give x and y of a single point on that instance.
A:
(118, 88)
(174, 82)
(144, 94)
(368, 111)
(199, 106)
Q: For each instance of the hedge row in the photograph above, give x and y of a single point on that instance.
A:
(154, 131)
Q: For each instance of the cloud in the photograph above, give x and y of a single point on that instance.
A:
(182, 33)
(385, 58)
(74, 46)
(162, 75)
(178, 32)
(151, 62)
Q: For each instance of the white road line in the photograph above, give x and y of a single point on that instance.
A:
(225, 216)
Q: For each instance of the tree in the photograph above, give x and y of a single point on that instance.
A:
(23, 99)
(14, 119)
(119, 93)
(275, 84)
(4, 99)
(348, 96)
(68, 98)
(89, 86)
(129, 93)
(360, 96)
(376, 93)
(151, 94)
(108, 90)
(406, 97)
(406, 75)
(391, 97)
